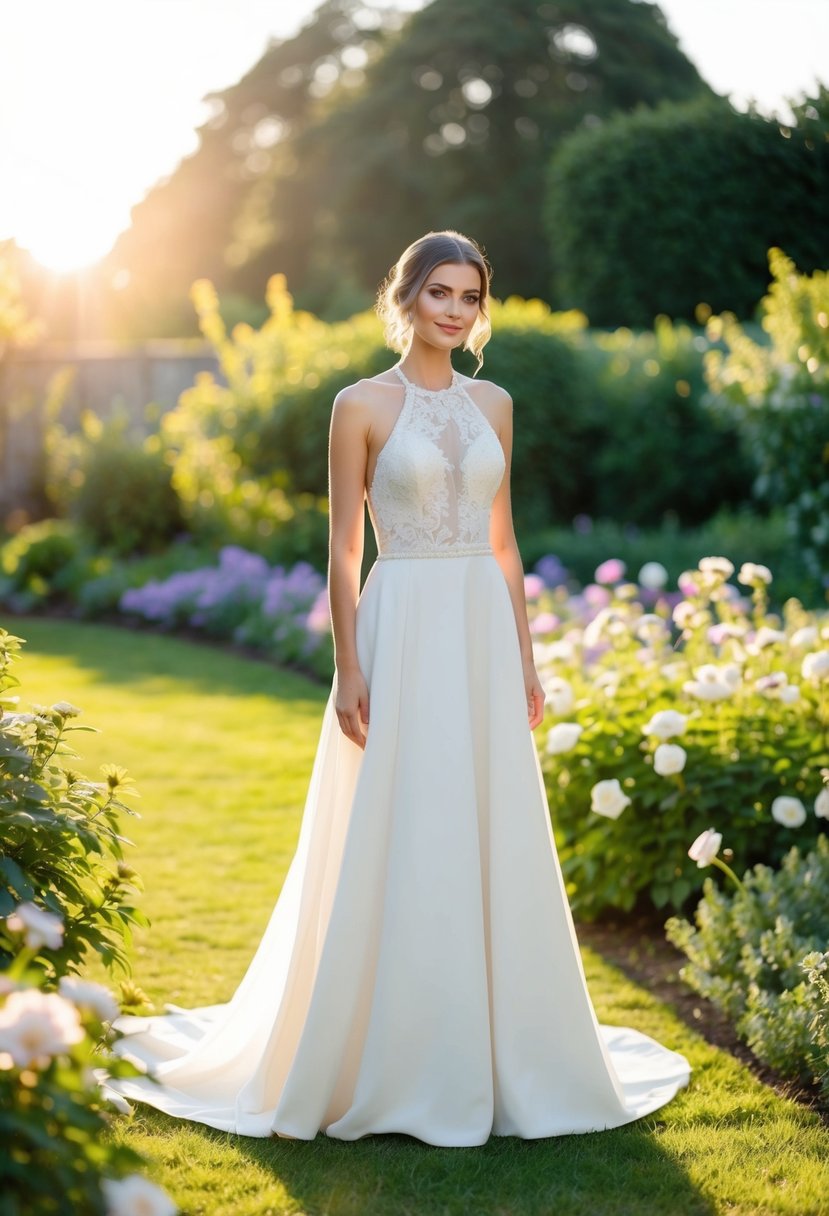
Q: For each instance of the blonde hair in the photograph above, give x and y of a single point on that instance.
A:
(399, 290)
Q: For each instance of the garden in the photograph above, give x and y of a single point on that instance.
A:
(166, 648)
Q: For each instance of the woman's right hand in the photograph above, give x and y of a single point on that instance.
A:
(351, 704)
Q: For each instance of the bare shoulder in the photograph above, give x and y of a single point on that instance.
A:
(364, 394)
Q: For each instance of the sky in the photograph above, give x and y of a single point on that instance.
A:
(101, 98)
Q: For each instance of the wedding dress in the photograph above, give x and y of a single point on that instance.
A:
(420, 972)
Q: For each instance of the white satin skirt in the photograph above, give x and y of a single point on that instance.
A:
(420, 972)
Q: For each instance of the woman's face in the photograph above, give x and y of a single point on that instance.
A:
(447, 305)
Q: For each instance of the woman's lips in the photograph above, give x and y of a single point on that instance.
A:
(450, 329)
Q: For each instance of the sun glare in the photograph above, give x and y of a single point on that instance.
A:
(67, 238)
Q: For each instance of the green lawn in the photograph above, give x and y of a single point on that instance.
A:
(221, 749)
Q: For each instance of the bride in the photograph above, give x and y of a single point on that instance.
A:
(420, 972)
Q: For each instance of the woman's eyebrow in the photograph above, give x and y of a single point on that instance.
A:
(470, 291)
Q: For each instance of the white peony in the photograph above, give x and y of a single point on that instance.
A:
(669, 758)
(666, 724)
(558, 695)
(751, 574)
(765, 637)
(773, 684)
(714, 683)
(719, 567)
(789, 811)
(805, 636)
(822, 804)
(88, 995)
(40, 928)
(607, 798)
(562, 737)
(35, 1026)
(815, 666)
(705, 848)
(136, 1196)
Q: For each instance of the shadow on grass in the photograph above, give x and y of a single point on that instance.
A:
(124, 656)
(624, 1172)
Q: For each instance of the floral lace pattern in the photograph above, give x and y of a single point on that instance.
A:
(436, 475)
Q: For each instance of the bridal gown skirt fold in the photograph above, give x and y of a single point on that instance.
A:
(420, 972)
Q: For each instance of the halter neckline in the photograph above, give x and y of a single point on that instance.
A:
(431, 392)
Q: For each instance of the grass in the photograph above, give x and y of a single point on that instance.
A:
(221, 748)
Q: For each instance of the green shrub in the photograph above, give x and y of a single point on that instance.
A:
(42, 563)
(65, 893)
(778, 393)
(757, 954)
(60, 840)
(663, 209)
(115, 484)
(752, 726)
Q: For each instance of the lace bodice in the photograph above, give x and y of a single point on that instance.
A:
(436, 476)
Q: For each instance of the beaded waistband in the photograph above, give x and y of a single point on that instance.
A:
(453, 551)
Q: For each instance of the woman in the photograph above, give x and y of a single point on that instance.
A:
(419, 973)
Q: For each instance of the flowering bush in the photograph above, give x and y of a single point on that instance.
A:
(242, 598)
(779, 394)
(691, 708)
(760, 955)
(60, 841)
(55, 1105)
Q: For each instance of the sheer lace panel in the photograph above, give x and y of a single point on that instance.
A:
(436, 476)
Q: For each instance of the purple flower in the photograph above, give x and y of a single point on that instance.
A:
(551, 570)
(544, 622)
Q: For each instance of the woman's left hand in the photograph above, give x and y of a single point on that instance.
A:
(535, 694)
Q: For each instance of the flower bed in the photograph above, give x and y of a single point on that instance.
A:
(673, 711)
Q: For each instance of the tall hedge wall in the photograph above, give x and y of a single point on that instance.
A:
(663, 209)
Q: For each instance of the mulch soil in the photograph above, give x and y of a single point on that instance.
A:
(639, 948)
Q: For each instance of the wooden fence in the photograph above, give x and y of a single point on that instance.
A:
(101, 377)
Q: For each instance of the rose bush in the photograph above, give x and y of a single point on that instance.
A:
(680, 709)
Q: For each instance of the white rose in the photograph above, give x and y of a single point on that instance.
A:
(40, 928)
(765, 637)
(719, 566)
(136, 1196)
(562, 737)
(607, 798)
(807, 635)
(35, 1026)
(751, 574)
(669, 758)
(665, 724)
(88, 995)
(822, 804)
(815, 666)
(558, 695)
(789, 694)
(705, 848)
(789, 811)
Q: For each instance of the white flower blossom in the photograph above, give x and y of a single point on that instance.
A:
(66, 709)
(705, 848)
(666, 724)
(789, 693)
(558, 694)
(807, 635)
(651, 628)
(765, 637)
(822, 804)
(789, 811)
(40, 928)
(607, 798)
(751, 574)
(562, 737)
(714, 683)
(772, 685)
(669, 758)
(35, 1026)
(88, 995)
(683, 614)
(136, 1196)
(719, 567)
(815, 666)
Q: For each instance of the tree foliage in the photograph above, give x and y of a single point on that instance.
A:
(661, 210)
(346, 142)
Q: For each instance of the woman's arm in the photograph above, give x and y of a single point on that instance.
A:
(505, 549)
(347, 461)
